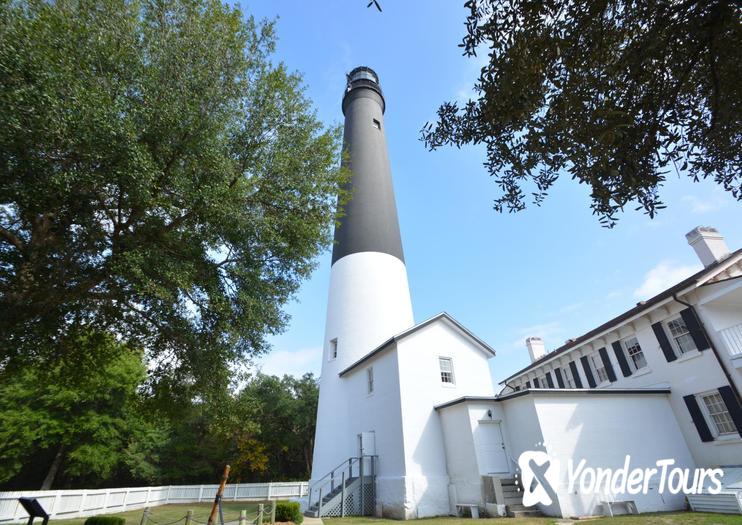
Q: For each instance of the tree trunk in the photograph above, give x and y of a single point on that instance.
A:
(49, 479)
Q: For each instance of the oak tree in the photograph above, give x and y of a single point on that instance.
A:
(161, 179)
(614, 94)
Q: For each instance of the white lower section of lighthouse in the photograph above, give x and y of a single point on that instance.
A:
(369, 301)
(370, 338)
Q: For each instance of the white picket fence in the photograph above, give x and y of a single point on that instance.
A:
(63, 504)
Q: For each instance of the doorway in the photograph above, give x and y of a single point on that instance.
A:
(490, 446)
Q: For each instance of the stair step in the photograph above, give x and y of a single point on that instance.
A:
(524, 513)
(513, 501)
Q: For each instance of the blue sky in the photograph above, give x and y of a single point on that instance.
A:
(550, 271)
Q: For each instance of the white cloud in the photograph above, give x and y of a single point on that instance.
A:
(700, 206)
(295, 363)
(552, 333)
(664, 275)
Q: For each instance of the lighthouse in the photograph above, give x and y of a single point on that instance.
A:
(379, 445)
(369, 297)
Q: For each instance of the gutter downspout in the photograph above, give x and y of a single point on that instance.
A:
(715, 350)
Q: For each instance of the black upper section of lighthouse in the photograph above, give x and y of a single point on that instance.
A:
(369, 223)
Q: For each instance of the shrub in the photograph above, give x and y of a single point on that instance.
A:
(105, 520)
(287, 511)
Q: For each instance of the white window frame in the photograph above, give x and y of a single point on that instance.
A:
(542, 382)
(674, 339)
(370, 380)
(723, 414)
(449, 360)
(598, 368)
(332, 352)
(627, 346)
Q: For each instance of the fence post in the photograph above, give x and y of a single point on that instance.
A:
(342, 492)
(270, 490)
(145, 516)
(189, 517)
(243, 517)
(319, 509)
(273, 512)
(55, 506)
(236, 488)
(106, 495)
(200, 492)
(260, 514)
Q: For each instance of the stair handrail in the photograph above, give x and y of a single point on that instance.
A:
(321, 482)
(330, 476)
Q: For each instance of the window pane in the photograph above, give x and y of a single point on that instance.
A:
(446, 365)
(598, 368)
(634, 351)
(680, 334)
(719, 414)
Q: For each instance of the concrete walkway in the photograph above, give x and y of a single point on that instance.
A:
(312, 521)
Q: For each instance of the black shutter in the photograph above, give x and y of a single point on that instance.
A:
(695, 329)
(549, 381)
(735, 411)
(588, 372)
(659, 333)
(607, 364)
(575, 374)
(536, 382)
(528, 384)
(698, 419)
(558, 374)
(621, 357)
(517, 387)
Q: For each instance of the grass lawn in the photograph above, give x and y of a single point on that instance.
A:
(665, 518)
(168, 513)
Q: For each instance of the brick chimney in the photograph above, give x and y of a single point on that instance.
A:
(708, 243)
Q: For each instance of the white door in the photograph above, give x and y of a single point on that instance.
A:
(367, 444)
(490, 447)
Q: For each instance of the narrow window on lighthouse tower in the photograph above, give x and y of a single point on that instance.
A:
(333, 349)
(370, 380)
(377, 124)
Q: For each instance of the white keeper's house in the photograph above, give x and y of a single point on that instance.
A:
(410, 424)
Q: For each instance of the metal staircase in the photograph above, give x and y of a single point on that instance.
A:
(347, 490)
